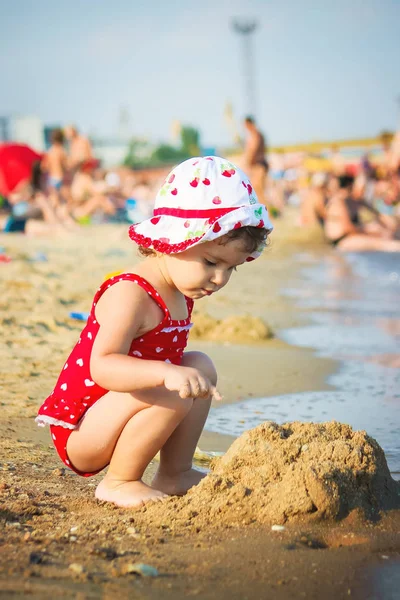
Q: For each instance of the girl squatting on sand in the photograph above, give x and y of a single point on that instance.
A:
(128, 389)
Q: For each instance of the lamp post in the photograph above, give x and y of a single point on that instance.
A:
(245, 28)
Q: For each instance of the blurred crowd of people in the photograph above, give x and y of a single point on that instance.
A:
(357, 213)
(68, 188)
(356, 203)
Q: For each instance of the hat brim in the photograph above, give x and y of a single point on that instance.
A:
(170, 234)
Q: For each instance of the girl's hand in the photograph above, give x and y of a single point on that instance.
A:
(190, 383)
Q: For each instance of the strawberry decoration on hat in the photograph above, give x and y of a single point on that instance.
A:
(200, 200)
(228, 169)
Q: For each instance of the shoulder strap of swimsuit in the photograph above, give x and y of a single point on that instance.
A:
(143, 283)
(189, 304)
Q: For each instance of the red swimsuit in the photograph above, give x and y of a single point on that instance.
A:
(75, 391)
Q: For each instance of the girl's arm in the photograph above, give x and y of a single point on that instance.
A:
(121, 314)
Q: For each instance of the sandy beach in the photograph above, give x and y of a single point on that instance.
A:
(57, 541)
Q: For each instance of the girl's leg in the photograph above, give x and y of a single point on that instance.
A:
(175, 474)
(126, 431)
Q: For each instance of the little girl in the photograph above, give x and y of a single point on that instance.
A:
(128, 388)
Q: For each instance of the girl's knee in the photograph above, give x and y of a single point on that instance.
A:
(179, 407)
(201, 361)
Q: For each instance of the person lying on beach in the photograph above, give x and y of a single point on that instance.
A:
(129, 389)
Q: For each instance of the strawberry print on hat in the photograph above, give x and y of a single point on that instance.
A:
(200, 200)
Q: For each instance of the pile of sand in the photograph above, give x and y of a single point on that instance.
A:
(276, 474)
(239, 329)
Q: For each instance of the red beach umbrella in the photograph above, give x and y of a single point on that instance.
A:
(16, 161)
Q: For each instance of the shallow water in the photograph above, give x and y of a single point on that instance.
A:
(353, 305)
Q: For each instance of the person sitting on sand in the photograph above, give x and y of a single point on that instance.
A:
(129, 389)
(314, 200)
(343, 226)
(29, 209)
(89, 194)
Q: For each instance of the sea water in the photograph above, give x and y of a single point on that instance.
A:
(353, 307)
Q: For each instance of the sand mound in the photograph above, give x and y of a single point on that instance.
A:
(242, 329)
(297, 471)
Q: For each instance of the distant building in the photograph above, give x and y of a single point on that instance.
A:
(24, 129)
(5, 129)
(111, 151)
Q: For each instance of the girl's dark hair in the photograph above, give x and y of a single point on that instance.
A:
(143, 251)
(252, 237)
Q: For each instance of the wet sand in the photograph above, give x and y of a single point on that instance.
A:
(42, 505)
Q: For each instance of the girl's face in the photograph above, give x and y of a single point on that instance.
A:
(206, 268)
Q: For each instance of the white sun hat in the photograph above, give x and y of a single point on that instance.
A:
(200, 200)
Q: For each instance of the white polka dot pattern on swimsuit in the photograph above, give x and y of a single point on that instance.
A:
(69, 400)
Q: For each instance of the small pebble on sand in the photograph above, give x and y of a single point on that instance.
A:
(76, 568)
(140, 569)
(132, 530)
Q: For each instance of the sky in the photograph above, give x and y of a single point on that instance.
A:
(323, 69)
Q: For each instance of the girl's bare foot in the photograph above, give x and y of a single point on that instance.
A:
(127, 493)
(177, 484)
